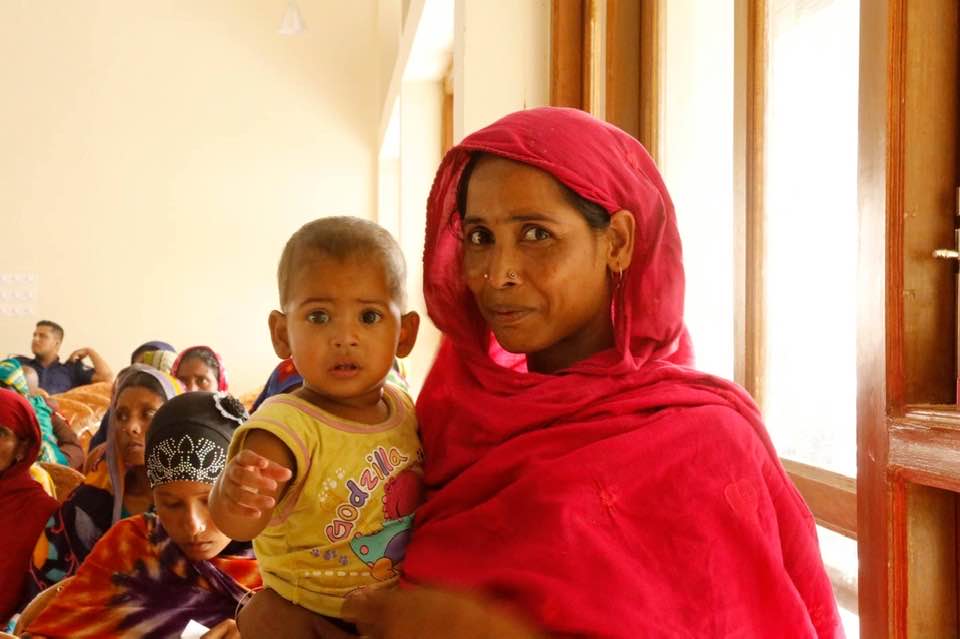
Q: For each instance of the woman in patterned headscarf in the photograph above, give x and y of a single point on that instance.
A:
(150, 575)
(116, 483)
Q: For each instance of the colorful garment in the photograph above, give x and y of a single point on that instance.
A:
(345, 518)
(628, 495)
(285, 378)
(42, 477)
(23, 502)
(13, 377)
(95, 505)
(194, 351)
(160, 360)
(137, 583)
(155, 345)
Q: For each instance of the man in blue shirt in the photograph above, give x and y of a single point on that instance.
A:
(56, 377)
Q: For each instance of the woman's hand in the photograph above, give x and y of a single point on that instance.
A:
(226, 629)
(422, 612)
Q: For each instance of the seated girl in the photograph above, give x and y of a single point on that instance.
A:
(152, 574)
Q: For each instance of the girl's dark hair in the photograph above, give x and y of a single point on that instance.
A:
(205, 355)
(145, 380)
(594, 214)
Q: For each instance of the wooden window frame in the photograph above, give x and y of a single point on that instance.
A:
(628, 46)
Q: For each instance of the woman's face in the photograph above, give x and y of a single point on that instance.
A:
(182, 508)
(134, 411)
(195, 375)
(11, 447)
(537, 271)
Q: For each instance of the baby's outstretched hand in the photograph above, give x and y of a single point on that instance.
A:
(248, 483)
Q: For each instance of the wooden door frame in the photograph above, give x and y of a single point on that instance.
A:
(873, 366)
(908, 455)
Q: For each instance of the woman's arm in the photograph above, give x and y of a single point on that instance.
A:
(67, 441)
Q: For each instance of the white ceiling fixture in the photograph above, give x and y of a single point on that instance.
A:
(292, 23)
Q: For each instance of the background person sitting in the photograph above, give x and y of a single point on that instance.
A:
(25, 506)
(200, 368)
(58, 442)
(55, 376)
(159, 355)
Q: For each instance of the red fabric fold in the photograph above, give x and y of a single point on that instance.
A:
(630, 495)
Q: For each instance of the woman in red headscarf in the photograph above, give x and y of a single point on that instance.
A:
(23, 503)
(584, 479)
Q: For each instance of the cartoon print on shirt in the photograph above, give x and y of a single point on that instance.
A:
(383, 550)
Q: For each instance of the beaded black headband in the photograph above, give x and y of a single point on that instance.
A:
(190, 442)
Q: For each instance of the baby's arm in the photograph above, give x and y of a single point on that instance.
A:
(251, 485)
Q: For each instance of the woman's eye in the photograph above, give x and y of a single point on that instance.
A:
(318, 317)
(536, 234)
(370, 317)
(479, 236)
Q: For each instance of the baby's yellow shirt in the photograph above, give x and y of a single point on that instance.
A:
(345, 518)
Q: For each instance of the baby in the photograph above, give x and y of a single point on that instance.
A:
(325, 480)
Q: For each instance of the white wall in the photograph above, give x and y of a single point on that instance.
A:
(420, 140)
(156, 156)
(501, 60)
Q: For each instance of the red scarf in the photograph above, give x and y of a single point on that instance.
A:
(24, 506)
(630, 495)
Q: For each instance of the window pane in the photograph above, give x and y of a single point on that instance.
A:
(810, 192)
(840, 558)
(696, 159)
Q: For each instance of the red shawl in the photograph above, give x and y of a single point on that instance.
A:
(23, 504)
(629, 495)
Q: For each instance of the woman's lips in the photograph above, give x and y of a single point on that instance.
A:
(505, 315)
